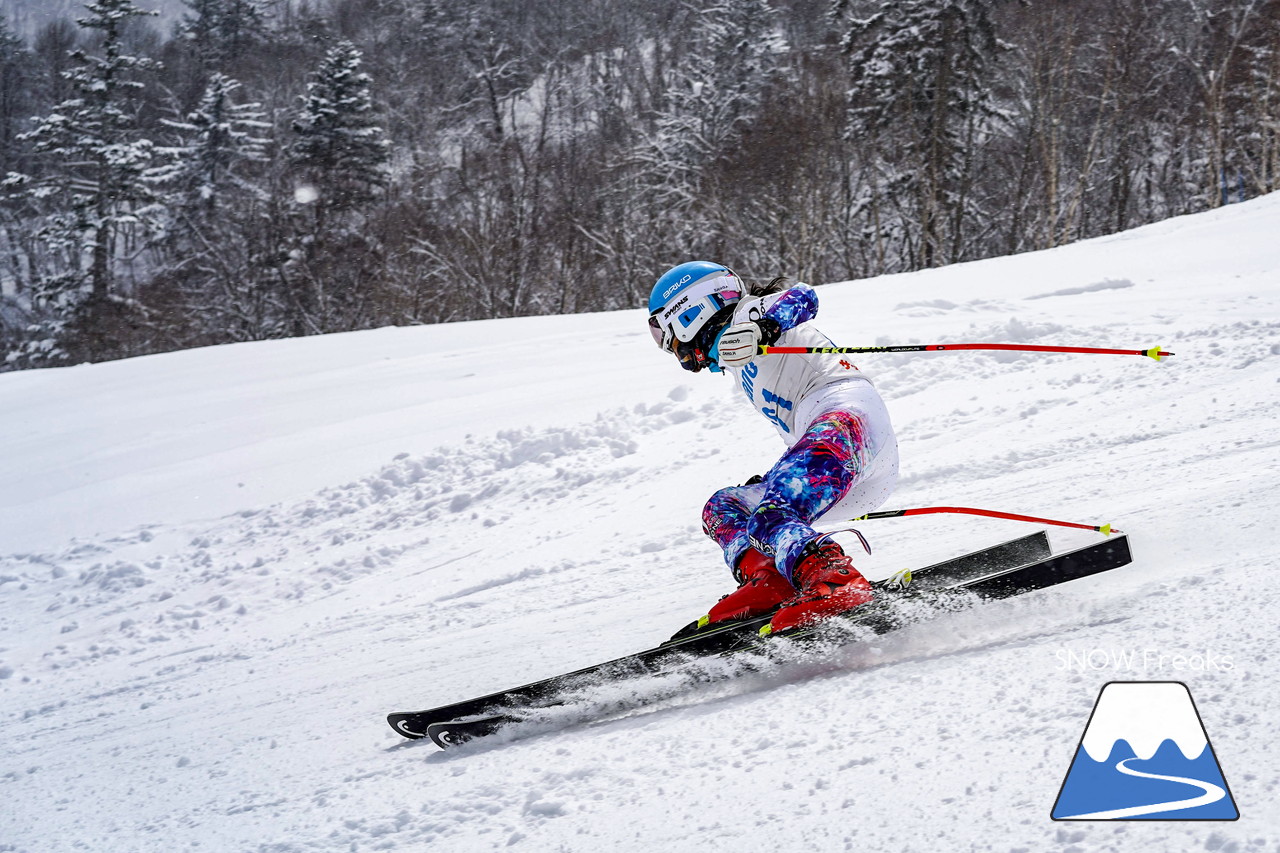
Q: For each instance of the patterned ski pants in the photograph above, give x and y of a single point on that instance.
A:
(845, 465)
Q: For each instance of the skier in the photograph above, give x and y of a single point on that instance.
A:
(842, 455)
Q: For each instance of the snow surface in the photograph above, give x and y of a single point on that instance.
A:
(220, 569)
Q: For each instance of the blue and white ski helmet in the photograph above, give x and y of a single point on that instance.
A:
(686, 297)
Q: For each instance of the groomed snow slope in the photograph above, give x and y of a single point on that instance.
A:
(219, 569)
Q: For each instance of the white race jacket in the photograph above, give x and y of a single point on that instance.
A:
(788, 389)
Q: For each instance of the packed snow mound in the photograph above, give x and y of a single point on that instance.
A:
(221, 568)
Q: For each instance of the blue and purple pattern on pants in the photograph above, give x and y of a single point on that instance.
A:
(775, 515)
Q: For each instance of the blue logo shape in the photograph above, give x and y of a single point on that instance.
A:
(1145, 755)
(687, 318)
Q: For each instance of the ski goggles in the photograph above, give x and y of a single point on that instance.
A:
(693, 355)
(700, 352)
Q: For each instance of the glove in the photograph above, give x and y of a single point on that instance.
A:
(738, 344)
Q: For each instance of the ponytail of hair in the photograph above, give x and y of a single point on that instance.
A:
(775, 285)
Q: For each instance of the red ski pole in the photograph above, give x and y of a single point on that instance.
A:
(1155, 352)
(1104, 529)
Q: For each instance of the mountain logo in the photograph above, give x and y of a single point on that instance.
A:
(1145, 755)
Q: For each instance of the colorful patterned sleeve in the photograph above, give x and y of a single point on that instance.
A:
(796, 305)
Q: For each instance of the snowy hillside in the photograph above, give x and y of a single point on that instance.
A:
(220, 569)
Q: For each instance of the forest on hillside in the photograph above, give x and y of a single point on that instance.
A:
(264, 169)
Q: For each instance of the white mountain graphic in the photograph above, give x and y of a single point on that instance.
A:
(1145, 714)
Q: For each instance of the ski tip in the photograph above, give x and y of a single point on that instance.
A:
(1157, 353)
(401, 723)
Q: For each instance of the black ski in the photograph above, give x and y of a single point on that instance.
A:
(471, 717)
(491, 713)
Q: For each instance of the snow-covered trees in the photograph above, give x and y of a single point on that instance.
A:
(711, 98)
(221, 31)
(209, 178)
(922, 94)
(1231, 52)
(340, 153)
(215, 144)
(14, 96)
(15, 103)
(296, 168)
(88, 190)
(1255, 107)
(338, 163)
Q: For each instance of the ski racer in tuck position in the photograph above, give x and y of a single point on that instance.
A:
(841, 459)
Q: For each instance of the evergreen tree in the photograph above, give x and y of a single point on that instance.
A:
(222, 31)
(211, 183)
(217, 142)
(339, 162)
(14, 109)
(97, 207)
(52, 50)
(340, 152)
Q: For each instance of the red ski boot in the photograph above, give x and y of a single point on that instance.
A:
(760, 592)
(828, 584)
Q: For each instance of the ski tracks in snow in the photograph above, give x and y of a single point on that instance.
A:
(224, 680)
